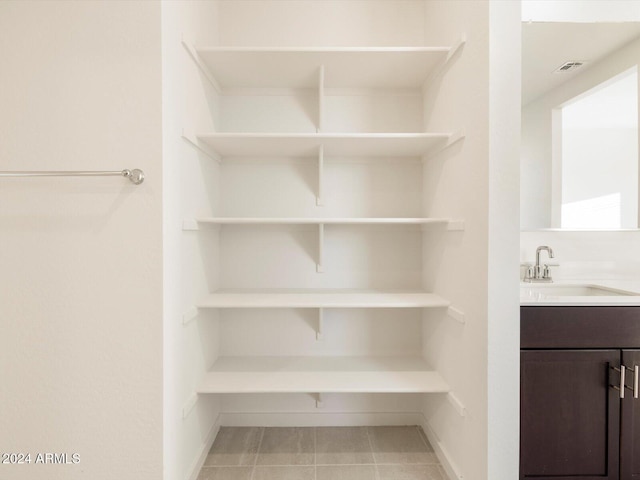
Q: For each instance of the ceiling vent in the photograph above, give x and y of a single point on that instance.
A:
(568, 67)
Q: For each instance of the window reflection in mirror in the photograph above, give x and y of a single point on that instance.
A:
(596, 146)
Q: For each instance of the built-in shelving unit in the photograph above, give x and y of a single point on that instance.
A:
(321, 299)
(328, 169)
(325, 374)
(247, 71)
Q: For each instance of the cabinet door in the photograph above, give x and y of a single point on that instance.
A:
(570, 416)
(630, 424)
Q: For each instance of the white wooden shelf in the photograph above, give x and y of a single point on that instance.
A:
(359, 67)
(321, 220)
(285, 298)
(333, 144)
(326, 374)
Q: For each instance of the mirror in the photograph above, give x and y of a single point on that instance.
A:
(579, 151)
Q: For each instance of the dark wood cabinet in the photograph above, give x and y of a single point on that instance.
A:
(573, 423)
(570, 418)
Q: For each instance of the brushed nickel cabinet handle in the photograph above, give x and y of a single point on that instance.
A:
(622, 370)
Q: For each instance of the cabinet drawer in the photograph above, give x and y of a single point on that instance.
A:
(580, 327)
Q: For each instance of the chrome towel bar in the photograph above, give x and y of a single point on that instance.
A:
(136, 176)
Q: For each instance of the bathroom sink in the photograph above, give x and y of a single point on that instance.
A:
(565, 290)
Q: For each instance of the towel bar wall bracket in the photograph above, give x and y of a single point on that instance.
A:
(136, 176)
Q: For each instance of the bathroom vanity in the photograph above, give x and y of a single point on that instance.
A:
(579, 387)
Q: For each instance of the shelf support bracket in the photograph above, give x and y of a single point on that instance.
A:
(452, 140)
(193, 53)
(319, 266)
(320, 99)
(187, 408)
(193, 140)
(455, 225)
(189, 315)
(455, 47)
(456, 314)
(320, 331)
(319, 400)
(190, 225)
(319, 198)
(440, 67)
(456, 404)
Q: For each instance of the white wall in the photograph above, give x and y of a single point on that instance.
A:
(475, 269)
(586, 255)
(81, 258)
(351, 187)
(327, 23)
(535, 166)
(503, 377)
(580, 11)
(191, 184)
(537, 174)
(456, 185)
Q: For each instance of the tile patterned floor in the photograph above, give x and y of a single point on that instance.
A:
(321, 453)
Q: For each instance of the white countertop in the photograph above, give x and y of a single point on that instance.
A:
(533, 294)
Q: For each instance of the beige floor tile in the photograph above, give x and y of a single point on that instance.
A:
(225, 473)
(409, 472)
(342, 445)
(287, 446)
(400, 445)
(346, 472)
(284, 473)
(235, 446)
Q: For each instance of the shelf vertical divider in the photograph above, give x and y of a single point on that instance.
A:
(320, 331)
(319, 266)
(320, 197)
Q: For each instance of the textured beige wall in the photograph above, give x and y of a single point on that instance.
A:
(81, 258)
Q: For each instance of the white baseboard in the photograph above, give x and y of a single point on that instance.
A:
(199, 461)
(450, 468)
(324, 419)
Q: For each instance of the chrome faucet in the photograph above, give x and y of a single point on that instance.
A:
(537, 272)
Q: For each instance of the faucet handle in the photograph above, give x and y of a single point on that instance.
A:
(546, 272)
(529, 274)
